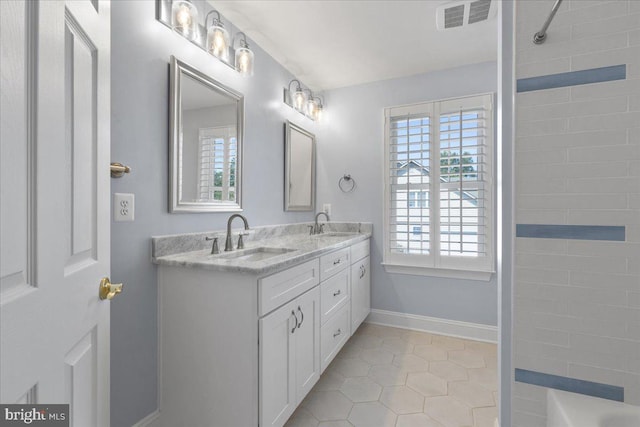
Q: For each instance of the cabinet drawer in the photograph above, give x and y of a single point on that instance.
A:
(279, 288)
(359, 250)
(333, 335)
(331, 263)
(334, 293)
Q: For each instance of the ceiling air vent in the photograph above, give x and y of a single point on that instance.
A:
(462, 13)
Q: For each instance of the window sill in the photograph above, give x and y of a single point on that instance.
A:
(483, 276)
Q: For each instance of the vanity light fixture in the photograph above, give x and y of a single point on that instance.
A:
(243, 56)
(217, 37)
(303, 100)
(184, 19)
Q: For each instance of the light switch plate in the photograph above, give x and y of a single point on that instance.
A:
(123, 207)
(326, 208)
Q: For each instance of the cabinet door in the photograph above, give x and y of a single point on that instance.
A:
(277, 366)
(360, 293)
(307, 342)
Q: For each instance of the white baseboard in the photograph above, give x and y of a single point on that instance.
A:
(454, 328)
(148, 419)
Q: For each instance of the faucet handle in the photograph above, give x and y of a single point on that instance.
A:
(240, 241)
(321, 231)
(311, 227)
(214, 247)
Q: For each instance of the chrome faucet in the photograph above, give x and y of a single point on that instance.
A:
(317, 228)
(228, 245)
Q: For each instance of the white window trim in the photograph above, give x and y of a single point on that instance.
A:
(434, 264)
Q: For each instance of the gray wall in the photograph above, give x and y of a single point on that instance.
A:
(351, 141)
(141, 48)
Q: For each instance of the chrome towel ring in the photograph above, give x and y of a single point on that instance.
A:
(346, 183)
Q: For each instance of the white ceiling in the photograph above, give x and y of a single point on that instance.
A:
(336, 43)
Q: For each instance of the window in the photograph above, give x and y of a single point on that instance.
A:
(439, 187)
(217, 164)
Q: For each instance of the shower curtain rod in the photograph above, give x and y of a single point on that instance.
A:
(541, 35)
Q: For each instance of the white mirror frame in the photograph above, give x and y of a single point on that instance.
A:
(175, 124)
(291, 131)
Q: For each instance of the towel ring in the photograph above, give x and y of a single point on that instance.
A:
(346, 183)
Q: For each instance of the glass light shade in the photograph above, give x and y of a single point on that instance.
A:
(317, 115)
(311, 107)
(184, 19)
(244, 61)
(298, 99)
(218, 41)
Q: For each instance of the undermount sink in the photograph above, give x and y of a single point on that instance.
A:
(255, 254)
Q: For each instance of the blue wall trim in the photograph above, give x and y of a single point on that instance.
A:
(573, 78)
(604, 391)
(576, 232)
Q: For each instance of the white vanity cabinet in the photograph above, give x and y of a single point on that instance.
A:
(289, 360)
(243, 349)
(360, 284)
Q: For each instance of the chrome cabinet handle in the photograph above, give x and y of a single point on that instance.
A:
(293, 313)
(336, 333)
(338, 261)
(336, 293)
(301, 317)
(361, 271)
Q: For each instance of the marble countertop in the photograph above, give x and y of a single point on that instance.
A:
(301, 246)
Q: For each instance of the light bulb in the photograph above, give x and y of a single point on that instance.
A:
(183, 17)
(218, 42)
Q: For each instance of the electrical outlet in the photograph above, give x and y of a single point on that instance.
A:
(123, 207)
(326, 208)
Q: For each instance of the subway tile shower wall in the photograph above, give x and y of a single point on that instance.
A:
(577, 275)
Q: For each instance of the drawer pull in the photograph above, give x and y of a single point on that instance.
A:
(336, 333)
(293, 313)
(338, 261)
(362, 271)
(301, 317)
(336, 293)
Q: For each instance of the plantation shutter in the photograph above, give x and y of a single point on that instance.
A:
(409, 182)
(463, 178)
(216, 161)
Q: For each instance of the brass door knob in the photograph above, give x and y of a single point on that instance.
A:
(109, 290)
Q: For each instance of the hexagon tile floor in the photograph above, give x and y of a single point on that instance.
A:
(390, 377)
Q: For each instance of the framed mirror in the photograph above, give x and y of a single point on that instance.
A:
(205, 131)
(299, 169)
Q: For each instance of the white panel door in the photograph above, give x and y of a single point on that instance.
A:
(360, 293)
(55, 132)
(277, 395)
(307, 342)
